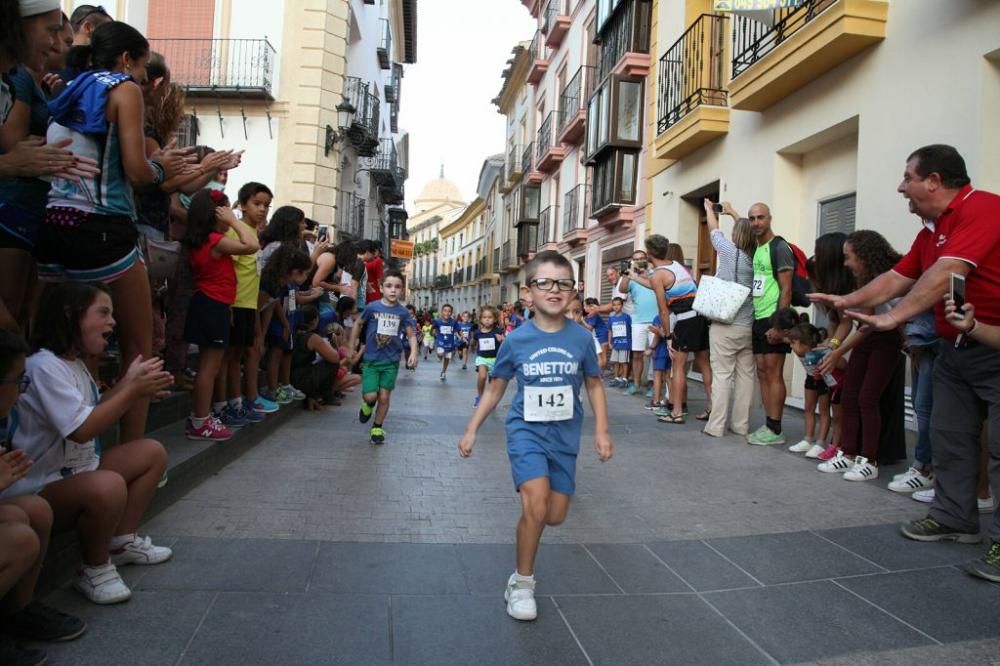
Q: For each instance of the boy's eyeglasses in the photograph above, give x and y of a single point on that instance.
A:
(22, 382)
(545, 284)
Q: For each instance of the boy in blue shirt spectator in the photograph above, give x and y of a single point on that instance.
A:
(661, 364)
(620, 340)
(595, 322)
(444, 338)
(382, 321)
(552, 358)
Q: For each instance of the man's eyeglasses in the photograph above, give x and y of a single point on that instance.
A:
(545, 284)
(23, 382)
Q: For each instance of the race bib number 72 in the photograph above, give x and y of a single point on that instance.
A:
(548, 403)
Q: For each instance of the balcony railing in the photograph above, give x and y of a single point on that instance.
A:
(527, 158)
(539, 59)
(753, 39)
(495, 266)
(575, 210)
(573, 97)
(544, 136)
(546, 226)
(514, 161)
(692, 71)
(220, 67)
(458, 277)
(442, 282)
(350, 216)
(393, 86)
(627, 31)
(384, 50)
(364, 129)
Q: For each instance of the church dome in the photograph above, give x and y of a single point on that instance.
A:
(437, 192)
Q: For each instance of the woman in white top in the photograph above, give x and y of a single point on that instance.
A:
(730, 344)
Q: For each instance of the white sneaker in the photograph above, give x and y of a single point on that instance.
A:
(102, 584)
(520, 597)
(910, 481)
(815, 451)
(985, 504)
(925, 496)
(294, 392)
(803, 446)
(140, 551)
(839, 464)
(862, 470)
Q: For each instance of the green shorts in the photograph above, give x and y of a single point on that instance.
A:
(377, 375)
(488, 362)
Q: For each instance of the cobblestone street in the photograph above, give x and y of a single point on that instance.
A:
(315, 547)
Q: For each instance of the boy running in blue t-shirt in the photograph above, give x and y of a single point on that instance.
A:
(620, 341)
(444, 338)
(464, 329)
(382, 321)
(552, 358)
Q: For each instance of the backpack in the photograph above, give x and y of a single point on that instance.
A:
(800, 277)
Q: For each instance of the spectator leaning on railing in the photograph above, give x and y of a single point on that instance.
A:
(961, 235)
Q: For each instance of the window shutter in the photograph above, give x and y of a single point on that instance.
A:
(837, 215)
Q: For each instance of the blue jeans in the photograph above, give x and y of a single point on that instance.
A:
(921, 390)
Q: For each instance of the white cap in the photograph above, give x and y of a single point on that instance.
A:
(36, 7)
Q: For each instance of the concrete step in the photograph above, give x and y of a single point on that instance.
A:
(189, 463)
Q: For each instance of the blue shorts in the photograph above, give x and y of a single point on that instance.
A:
(530, 460)
(661, 364)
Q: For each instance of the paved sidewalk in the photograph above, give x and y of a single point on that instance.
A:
(315, 547)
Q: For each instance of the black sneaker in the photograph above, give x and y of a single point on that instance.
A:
(364, 416)
(12, 654)
(38, 622)
(928, 529)
(378, 435)
(987, 566)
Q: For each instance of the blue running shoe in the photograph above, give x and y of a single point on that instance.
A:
(263, 405)
(231, 418)
(250, 415)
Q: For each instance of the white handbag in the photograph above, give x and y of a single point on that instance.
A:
(719, 299)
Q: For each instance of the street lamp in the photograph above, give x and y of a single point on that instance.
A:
(345, 110)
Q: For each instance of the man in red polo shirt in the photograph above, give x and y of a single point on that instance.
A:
(961, 235)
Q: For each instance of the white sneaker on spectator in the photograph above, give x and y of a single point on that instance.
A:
(911, 481)
(140, 550)
(985, 504)
(520, 598)
(861, 471)
(102, 584)
(925, 496)
(839, 464)
(803, 446)
(815, 451)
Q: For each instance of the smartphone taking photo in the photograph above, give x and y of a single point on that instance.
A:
(958, 294)
(717, 207)
(321, 235)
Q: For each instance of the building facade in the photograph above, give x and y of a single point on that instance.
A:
(310, 90)
(813, 110)
(439, 204)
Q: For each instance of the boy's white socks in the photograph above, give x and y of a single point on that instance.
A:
(524, 579)
(217, 407)
(236, 403)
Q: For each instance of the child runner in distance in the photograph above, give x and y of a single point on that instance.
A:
(552, 358)
(384, 319)
(444, 338)
(620, 341)
(210, 312)
(465, 327)
(428, 330)
(485, 341)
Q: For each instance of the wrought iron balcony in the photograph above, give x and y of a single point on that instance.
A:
(556, 23)
(527, 158)
(546, 225)
(527, 240)
(550, 150)
(392, 88)
(364, 129)
(573, 106)
(539, 59)
(775, 57)
(350, 216)
(458, 276)
(691, 71)
(514, 164)
(442, 282)
(495, 266)
(384, 50)
(626, 32)
(220, 67)
(575, 211)
(386, 172)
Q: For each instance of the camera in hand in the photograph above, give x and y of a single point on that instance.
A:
(717, 207)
